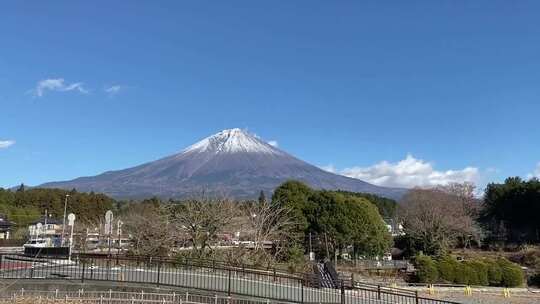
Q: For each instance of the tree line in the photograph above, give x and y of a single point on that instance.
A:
(25, 205)
(446, 217)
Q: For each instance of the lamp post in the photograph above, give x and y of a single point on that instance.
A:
(119, 224)
(109, 228)
(64, 223)
(71, 219)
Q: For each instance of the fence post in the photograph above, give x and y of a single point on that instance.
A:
(378, 292)
(229, 282)
(302, 291)
(416, 296)
(158, 272)
(108, 267)
(342, 292)
(83, 270)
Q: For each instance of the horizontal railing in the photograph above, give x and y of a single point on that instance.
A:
(112, 297)
(215, 278)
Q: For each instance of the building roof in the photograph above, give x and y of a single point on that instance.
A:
(49, 221)
(4, 222)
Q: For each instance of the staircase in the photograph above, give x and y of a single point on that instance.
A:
(324, 275)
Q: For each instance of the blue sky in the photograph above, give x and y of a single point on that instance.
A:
(400, 93)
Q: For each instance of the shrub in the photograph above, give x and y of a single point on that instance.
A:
(512, 274)
(447, 268)
(480, 275)
(494, 272)
(296, 260)
(426, 269)
(465, 274)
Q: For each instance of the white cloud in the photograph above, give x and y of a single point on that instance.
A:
(330, 168)
(273, 143)
(536, 172)
(57, 85)
(408, 173)
(113, 90)
(6, 143)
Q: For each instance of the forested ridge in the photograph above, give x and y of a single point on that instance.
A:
(25, 205)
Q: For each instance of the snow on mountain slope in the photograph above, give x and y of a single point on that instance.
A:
(232, 141)
(232, 162)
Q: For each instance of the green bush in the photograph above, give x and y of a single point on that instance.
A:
(480, 275)
(512, 274)
(480, 272)
(465, 274)
(447, 266)
(494, 272)
(296, 260)
(426, 269)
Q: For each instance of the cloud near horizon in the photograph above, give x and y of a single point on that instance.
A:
(273, 143)
(57, 85)
(536, 172)
(408, 173)
(6, 143)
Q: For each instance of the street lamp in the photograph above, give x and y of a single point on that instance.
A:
(64, 223)
(71, 221)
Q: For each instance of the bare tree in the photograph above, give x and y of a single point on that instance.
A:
(465, 192)
(150, 229)
(435, 219)
(470, 204)
(203, 220)
(269, 224)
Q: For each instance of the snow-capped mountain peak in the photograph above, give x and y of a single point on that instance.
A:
(233, 141)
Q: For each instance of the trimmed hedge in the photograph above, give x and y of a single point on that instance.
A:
(447, 267)
(512, 274)
(480, 272)
(426, 269)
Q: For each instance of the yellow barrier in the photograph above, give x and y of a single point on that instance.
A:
(506, 293)
(468, 291)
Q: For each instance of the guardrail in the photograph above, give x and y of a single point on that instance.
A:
(217, 279)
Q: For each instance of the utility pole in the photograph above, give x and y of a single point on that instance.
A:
(119, 224)
(71, 221)
(64, 223)
(327, 251)
(311, 254)
(108, 228)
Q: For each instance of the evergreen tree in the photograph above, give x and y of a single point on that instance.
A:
(262, 198)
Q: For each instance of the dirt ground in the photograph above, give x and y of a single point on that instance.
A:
(490, 299)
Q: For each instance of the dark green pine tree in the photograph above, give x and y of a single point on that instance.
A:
(262, 198)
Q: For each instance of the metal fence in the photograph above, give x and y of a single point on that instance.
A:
(375, 264)
(114, 297)
(213, 278)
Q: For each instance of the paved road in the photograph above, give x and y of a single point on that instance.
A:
(203, 279)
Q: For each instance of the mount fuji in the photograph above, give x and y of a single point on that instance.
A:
(232, 162)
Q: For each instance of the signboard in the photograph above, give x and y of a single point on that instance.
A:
(71, 219)
(108, 222)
